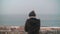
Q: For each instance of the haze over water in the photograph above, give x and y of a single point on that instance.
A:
(19, 20)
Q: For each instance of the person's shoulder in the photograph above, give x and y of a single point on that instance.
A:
(38, 19)
(28, 19)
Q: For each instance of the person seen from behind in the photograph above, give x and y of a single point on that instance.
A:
(32, 25)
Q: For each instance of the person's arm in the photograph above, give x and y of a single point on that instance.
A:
(26, 26)
(39, 24)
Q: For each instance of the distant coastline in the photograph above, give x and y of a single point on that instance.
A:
(22, 28)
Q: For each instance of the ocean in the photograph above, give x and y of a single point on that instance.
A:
(19, 20)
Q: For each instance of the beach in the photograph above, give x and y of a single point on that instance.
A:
(20, 30)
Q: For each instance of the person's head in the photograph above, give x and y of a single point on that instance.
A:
(32, 14)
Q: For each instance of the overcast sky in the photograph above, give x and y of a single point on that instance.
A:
(25, 6)
(11, 10)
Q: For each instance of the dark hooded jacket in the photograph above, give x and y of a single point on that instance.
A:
(32, 25)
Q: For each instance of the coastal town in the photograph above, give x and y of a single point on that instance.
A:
(20, 30)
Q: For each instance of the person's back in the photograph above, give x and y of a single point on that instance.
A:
(32, 25)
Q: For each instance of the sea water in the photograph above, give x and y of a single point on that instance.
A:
(19, 20)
